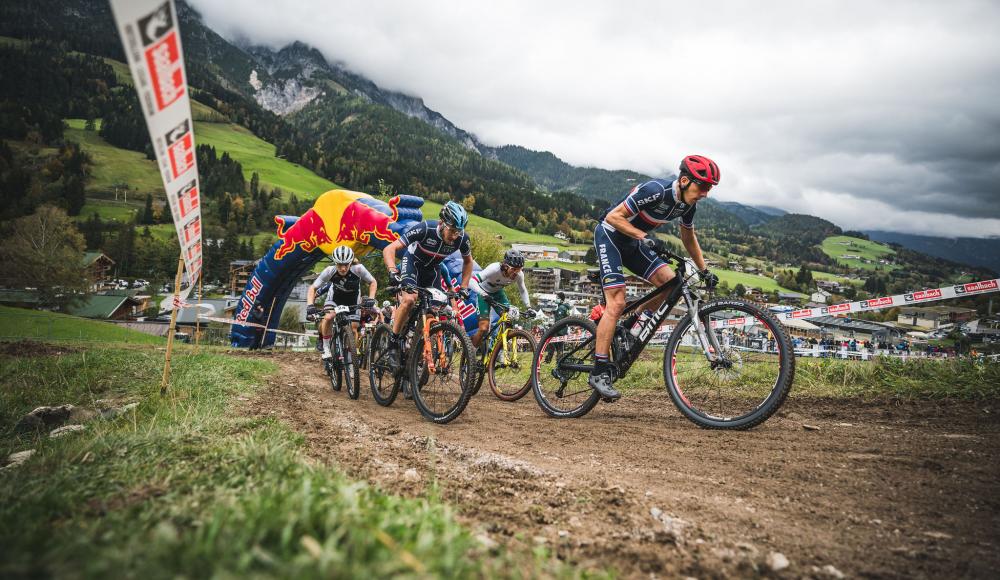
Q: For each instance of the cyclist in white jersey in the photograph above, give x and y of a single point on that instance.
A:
(491, 281)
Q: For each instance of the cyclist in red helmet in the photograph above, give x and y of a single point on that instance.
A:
(625, 238)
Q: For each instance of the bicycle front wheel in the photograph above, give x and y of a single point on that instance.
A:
(509, 367)
(384, 384)
(439, 373)
(751, 373)
(560, 371)
(351, 377)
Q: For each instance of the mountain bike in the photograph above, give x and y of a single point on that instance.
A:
(727, 364)
(436, 359)
(506, 355)
(342, 367)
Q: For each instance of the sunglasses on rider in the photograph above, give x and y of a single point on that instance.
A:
(703, 186)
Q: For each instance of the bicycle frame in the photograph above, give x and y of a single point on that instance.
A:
(676, 290)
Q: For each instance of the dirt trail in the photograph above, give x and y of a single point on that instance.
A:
(879, 490)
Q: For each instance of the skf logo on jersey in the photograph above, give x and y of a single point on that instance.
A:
(187, 199)
(923, 295)
(976, 287)
(845, 307)
(163, 55)
(180, 149)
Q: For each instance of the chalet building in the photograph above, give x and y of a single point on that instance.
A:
(934, 317)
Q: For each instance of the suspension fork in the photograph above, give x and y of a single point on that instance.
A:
(709, 342)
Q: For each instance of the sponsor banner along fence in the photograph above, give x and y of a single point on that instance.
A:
(152, 41)
(909, 299)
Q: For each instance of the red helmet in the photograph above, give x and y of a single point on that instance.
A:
(701, 168)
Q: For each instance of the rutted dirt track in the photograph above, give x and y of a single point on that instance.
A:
(880, 490)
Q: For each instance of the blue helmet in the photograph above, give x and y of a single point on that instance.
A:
(454, 215)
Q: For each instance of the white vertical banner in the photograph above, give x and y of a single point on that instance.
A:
(152, 40)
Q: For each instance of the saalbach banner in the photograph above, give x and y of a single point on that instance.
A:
(152, 40)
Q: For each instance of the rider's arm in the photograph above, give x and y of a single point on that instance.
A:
(465, 248)
(690, 241)
(389, 254)
(523, 290)
(323, 278)
(466, 269)
(361, 272)
(475, 287)
(618, 219)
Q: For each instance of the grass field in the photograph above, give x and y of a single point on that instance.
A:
(36, 324)
(109, 210)
(114, 166)
(828, 276)
(510, 235)
(748, 280)
(193, 484)
(257, 155)
(575, 266)
(837, 246)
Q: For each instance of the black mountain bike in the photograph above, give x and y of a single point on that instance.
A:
(437, 365)
(727, 363)
(343, 366)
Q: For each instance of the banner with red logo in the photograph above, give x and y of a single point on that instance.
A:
(152, 41)
(908, 299)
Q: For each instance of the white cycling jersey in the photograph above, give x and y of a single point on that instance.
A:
(491, 280)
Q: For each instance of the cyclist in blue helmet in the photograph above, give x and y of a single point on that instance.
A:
(424, 246)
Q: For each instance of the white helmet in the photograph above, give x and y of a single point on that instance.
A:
(385, 303)
(343, 255)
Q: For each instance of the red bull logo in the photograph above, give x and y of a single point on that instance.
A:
(308, 233)
(360, 222)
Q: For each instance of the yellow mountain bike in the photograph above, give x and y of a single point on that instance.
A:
(506, 355)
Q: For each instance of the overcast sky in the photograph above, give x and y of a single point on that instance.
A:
(872, 115)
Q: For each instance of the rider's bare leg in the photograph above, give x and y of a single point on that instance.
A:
(484, 327)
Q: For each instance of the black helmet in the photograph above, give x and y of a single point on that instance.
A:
(513, 258)
(561, 295)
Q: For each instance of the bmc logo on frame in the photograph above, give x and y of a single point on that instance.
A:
(163, 55)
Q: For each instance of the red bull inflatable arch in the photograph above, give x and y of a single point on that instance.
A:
(339, 217)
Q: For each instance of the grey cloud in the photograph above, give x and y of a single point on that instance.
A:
(830, 109)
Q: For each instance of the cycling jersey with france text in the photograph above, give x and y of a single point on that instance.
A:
(427, 246)
(344, 290)
(653, 204)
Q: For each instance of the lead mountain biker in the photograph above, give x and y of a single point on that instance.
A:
(625, 237)
(344, 279)
(427, 244)
(491, 281)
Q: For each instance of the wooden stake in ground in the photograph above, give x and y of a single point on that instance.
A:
(173, 324)
(197, 318)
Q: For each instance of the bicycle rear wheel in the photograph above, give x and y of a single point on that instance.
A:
(509, 367)
(384, 385)
(561, 367)
(444, 394)
(751, 377)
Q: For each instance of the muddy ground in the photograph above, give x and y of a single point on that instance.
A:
(878, 490)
